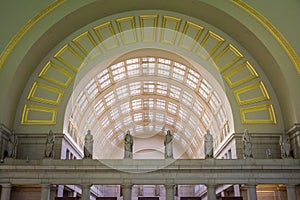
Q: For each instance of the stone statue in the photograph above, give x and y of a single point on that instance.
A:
(49, 146)
(157, 190)
(285, 146)
(128, 144)
(247, 145)
(12, 146)
(168, 142)
(268, 153)
(140, 190)
(88, 145)
(208, 145)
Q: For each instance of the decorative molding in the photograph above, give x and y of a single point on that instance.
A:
(68, 60)
(272, 29)
(52, 112)
(267, 108)
(16, 39)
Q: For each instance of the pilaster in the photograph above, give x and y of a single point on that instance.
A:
(169, 191)
(291, 192)
(45, 191)
(5, 192)
(85, 194)
(211, 192)
(294, 134)
(251, 192)
(126, 190)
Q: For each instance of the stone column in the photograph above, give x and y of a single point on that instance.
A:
(211, 192)
(45, 192)
(60, 190)
(5, 192)
(251, 191)
(169, 191)
(237, 192)
(291, 192)
(126, 191)
(85, 193)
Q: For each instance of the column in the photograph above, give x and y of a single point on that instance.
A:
(237, 192)
(60, 191)
(5, 192)
(45, 192)
(126, 191)
(85, 191)
(251, 191)
(291, 192)
(169, 191)
(211, 192)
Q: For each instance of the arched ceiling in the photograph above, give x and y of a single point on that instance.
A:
(245, 81)
(148, 95)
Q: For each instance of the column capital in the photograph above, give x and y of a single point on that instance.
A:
(169, 185)
(45, 185)
(126, 185)
(291, 185)
(86, 185)
(210, 185)
(6, 185)
(251, 185)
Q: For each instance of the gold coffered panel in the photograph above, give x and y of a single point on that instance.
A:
(94, 41)
(44, 93)
(87, 45)
(170, 27)
(33, 114)
(240, 74)
(69, 57)
(252, 93)
(262, 114)
(227, 57)
(127, 29)
(107, 36)
(55, 74)
(148, 25)
(190, 35)
(210, 43)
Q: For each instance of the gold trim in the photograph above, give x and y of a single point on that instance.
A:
(102, 39)
(177, 21)
(210, 34)
(266, 107)
(36, 85)
(30, 107)
(272, 29)
(131, 20)
(142, 19)
(68, 48)
(187, 26)
(246, 64)
(228, 48)
(16, 39)
(49, 64)
(265, 96)
(96, 51)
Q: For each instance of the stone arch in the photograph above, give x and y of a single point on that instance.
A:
(248, 90)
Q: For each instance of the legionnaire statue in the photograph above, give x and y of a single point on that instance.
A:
(247, 145)
(88, 145)
(49, 145)
(12, 146)
(128, 145)
(285, 146)
(168, 142)
(208, 145)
